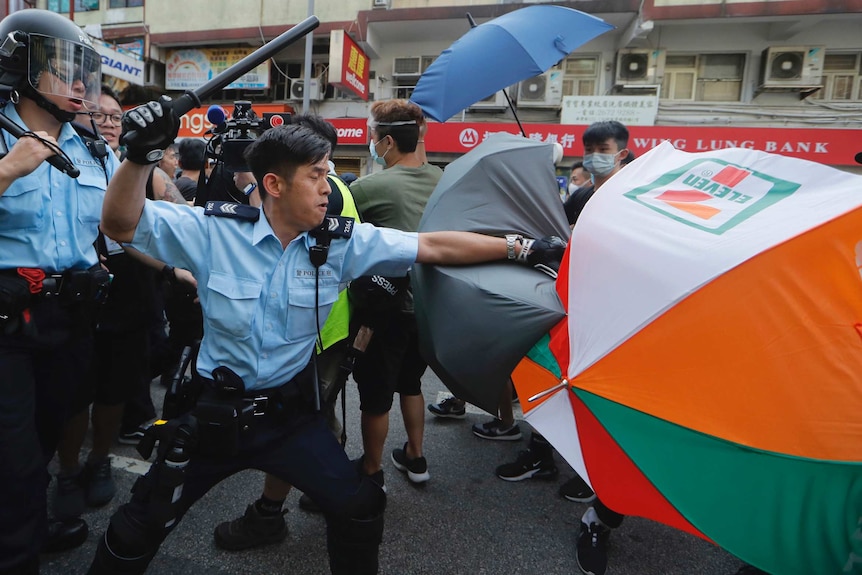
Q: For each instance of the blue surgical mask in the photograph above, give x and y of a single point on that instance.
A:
(600, 164)
(372, 147)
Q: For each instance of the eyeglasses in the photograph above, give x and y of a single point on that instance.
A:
(101, 118)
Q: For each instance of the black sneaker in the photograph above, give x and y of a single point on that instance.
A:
(592, 549)
(576, 489)
(451, 407)
(495, 429)
(131, 436)
(99, 485)
(416, 468)
(250, 530)
(65, 535)
(69, 496)
(528, 466)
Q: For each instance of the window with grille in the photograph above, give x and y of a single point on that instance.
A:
(703, 77)
(842, 78)
(580, 74)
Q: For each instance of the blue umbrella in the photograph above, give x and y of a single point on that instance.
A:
(501, 52)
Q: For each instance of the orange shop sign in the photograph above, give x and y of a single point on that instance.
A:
(195, 124)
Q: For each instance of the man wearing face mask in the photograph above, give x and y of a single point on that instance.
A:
(605, 153)
(394, 198)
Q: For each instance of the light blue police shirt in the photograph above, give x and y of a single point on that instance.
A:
(258, 299)
(47, 219)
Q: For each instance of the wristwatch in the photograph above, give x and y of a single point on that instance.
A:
(510, 244)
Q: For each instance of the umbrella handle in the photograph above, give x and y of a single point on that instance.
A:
(562, 385)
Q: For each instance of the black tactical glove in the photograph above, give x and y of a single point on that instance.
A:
(544, 254)
(148, 129)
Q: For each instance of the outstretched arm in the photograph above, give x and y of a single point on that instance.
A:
(462, 248)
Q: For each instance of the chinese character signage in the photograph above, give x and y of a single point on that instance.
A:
(348, 64)
(630, 110)
(191, 68)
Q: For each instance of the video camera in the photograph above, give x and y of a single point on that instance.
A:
(231, 136)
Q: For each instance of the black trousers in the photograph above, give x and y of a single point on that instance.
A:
(299, 449)
(41, 367)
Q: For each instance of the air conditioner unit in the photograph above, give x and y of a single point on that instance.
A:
(297, 89)
(411, 66)
(792, 66)
(496, 101)
(639, 67)
(380, 3)
(542, 91)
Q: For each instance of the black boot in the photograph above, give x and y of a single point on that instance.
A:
(353, 545)
(64, 535)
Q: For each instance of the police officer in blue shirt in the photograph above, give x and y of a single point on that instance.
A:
(267, 279)
(49, 273)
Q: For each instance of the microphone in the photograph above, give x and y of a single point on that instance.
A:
(217, 117)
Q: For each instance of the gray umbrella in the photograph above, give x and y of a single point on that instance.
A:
(477, 322)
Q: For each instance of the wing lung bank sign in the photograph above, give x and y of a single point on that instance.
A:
(833, 147)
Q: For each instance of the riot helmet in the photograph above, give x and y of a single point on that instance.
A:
(45, 54)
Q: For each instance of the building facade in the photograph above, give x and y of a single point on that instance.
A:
(779, 75)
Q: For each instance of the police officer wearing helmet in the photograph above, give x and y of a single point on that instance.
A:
(49, 273)
(266, 279)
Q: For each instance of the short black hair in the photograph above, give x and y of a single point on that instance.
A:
(109, 92)
(599, 132)
(319, 125)
(576, 165)
(282, 149)
(192, 154)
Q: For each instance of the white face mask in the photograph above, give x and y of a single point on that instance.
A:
(572, 188)
(600, 164)
(372, 147)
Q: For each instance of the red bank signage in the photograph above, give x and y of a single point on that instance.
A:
(833, 147)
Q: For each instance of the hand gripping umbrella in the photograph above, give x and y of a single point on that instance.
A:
(711, 361)
(477, 322)
(501, 52)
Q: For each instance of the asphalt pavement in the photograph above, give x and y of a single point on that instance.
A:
(464, 521)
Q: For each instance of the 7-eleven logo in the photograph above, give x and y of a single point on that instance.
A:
(712, 195)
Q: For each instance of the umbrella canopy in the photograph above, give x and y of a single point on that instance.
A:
(501, 52)
(712, 355)
(477, 322)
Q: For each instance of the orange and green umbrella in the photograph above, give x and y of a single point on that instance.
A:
(709, 372)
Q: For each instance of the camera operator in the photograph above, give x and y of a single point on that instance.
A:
(265, 288)
(50, 279)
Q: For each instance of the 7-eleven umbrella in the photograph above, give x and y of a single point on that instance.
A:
(711, 360)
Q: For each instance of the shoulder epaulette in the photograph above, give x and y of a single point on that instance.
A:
(335, 227)
(232, 210)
